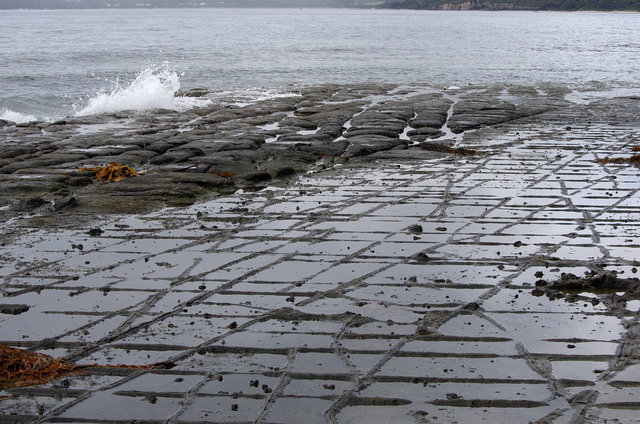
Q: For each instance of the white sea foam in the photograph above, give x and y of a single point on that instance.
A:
(17, 117)
(151, 89)
(248, 96)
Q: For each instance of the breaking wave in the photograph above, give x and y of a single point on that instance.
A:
(17, 117)
(151, 89)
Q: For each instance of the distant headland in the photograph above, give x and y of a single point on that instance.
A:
(567, 5)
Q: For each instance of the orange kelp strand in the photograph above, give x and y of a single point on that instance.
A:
(226, 174)
(111, 172)
(635, 159)
(21, 367)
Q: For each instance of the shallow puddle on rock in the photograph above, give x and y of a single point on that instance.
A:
(549, 326)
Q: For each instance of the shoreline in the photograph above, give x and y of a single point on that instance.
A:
(221, 148)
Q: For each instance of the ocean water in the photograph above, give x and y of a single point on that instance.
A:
(60, 63)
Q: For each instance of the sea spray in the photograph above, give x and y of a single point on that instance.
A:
(17, 117)
(151, 89)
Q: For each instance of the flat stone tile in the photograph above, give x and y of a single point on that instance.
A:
(242, 267)
(226, 310)
(115, 407)
(537, 229)
(278, 340)
(254, 288)
(113, 355)
(431, 273)
(319, 363)
(589, 253)
(171, 300)
(378, 310)
(471, 326)
(230, 244)
(286, 234)
(367, 344)
(162, 383)
(376, 415)
(405, 210)
(279, 224)
(151, 246)
(421, 393)
(324, 247)
(291, 207)
(414, 295)
(629, 373)
(245, 362)
(466, 211)
(316, 387)
(300, 325)
(345, 272)
(452, 368)
(35, 406)
(480, 252)
(451, 414)
(624, 253)
(518, 300)
(221, 409)
(564, 348)
(471, 347)
(402, 250)
(306, 410)
(615, 414)
(431, 238)
(96, 331)
(618, 396)
(256, 300)
(549, 326)
(360, 208)
(53, 300)
(95, 259)
(548, 273)
(29, 326)
(256, 247)
(289, 271)
(386, 328)
(360, 236)
(239, 384)
(579, 370)
(328, 259)
(366, 224)
(184, 331)
(482, 227)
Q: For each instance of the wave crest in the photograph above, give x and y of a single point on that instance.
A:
(17, 117)
(151, 89)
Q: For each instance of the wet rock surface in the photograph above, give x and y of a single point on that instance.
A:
(248, 144)
(362, 274)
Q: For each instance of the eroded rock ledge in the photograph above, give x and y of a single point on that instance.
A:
(223, 147)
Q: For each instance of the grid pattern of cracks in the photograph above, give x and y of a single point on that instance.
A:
(324, 302)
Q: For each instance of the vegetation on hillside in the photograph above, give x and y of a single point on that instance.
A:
(570, 5)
